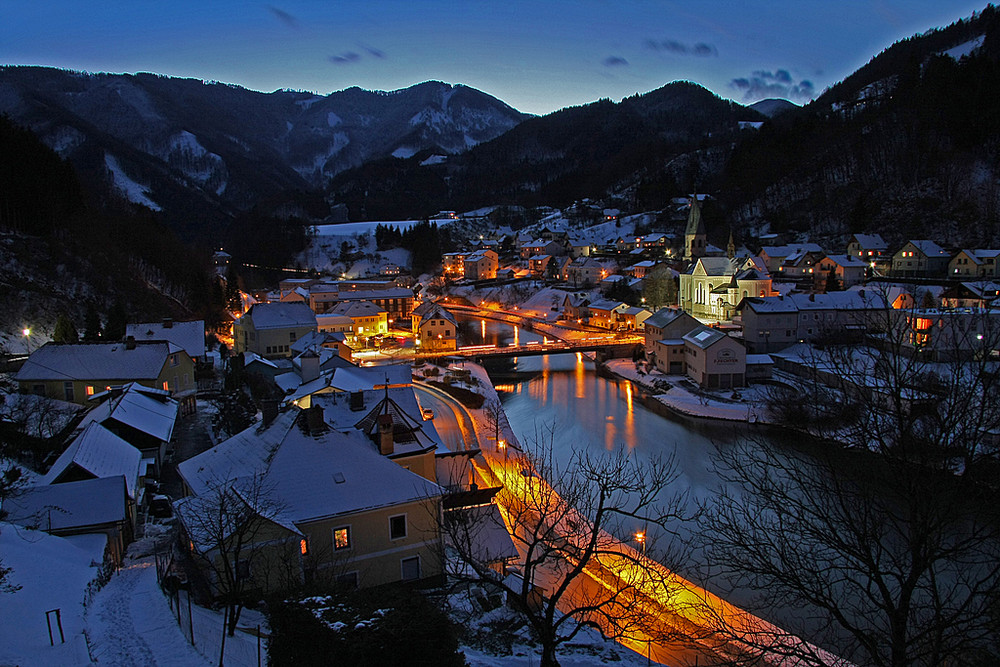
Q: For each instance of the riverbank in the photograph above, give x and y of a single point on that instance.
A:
(682, 397)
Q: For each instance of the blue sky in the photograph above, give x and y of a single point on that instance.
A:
(538, 56)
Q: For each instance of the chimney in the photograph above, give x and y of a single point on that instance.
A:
(309, 365)
(314, 420)
(269, 410)
(357, 401)
(130, 343)
(385, 443)
(168, 323)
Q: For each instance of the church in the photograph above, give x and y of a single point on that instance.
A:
(713, 284)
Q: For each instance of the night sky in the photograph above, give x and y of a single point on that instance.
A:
(537, 55)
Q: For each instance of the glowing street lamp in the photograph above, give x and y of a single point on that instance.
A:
(640, 537)
(502, 445)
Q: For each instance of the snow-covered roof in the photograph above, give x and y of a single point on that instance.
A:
(88, 502)
(871, 241)
(847, 261)
(430, 310)
(847, 300)
(95, 361)
(704, 337)
(252, 357)
(607, 304)
(928, 248)
(633, 310)
(280, 315)
(151, 413)
(663, 317)
(357, 309)
(311, 476)
(101, 453)
(358, 378)
(791, 250)
(188, 335)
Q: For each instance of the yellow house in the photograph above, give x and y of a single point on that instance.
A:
(434, 328)
(369, 319)
(269, 329)
(75, 372)
(331, 508)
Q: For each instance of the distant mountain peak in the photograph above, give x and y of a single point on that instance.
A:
(771, 107)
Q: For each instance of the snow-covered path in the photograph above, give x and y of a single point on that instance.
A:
(130, 622)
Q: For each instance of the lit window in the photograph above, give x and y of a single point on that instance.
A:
(90, 390)
(166, 386)
(342, 538)
(303, 546)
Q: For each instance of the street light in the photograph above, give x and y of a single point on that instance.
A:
(502, 445)
(640, 537)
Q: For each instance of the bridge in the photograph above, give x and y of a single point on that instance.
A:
(603, 344)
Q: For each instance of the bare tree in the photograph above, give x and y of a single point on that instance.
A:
(883, 538)
(236, 535)
(568, 523)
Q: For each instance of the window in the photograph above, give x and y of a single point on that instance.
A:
(291, 336)
(242, 569)
(90, 390)
(304, 547)
(410, 568)
(68, 391)
(166, 386)
(173, 360)
(397, 527)
(348, 580)
(342, 538)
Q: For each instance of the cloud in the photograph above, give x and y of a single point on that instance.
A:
(700, 50)
(373, 52)
(283, 16)
(614, 61)
(779, 83)
(346, 58)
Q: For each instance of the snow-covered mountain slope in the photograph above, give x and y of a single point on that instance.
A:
(234, 146)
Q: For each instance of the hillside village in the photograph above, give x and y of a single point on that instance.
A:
(238, 428)
(269, 507)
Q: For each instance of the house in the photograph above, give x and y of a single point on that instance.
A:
(143, 417)
(435, 329)
(945, 335)
(338, 509)
(187, 335)
(368, 318)
(94, 506)
(920, 258)
(75, 372)
(713, 359)
(541, 247)
(538, 265)
(971, 295)
(790, 259)
(713, 286)
(632, 318)
(453, 265)
(98, 453)
(574, 307)
(868, 248)
(327, 340)
(328, 323)
(664, 333)
(849, 271)
(584, 272)
(640, 269)
(269, 329)
(481, 265)
(396, 301)
(604, 313)
(975, 264)
(774, 323)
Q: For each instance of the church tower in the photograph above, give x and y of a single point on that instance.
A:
(731, 248)
(694, 234)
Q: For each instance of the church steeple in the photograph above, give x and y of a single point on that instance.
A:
(731, 248)
(694, 234)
